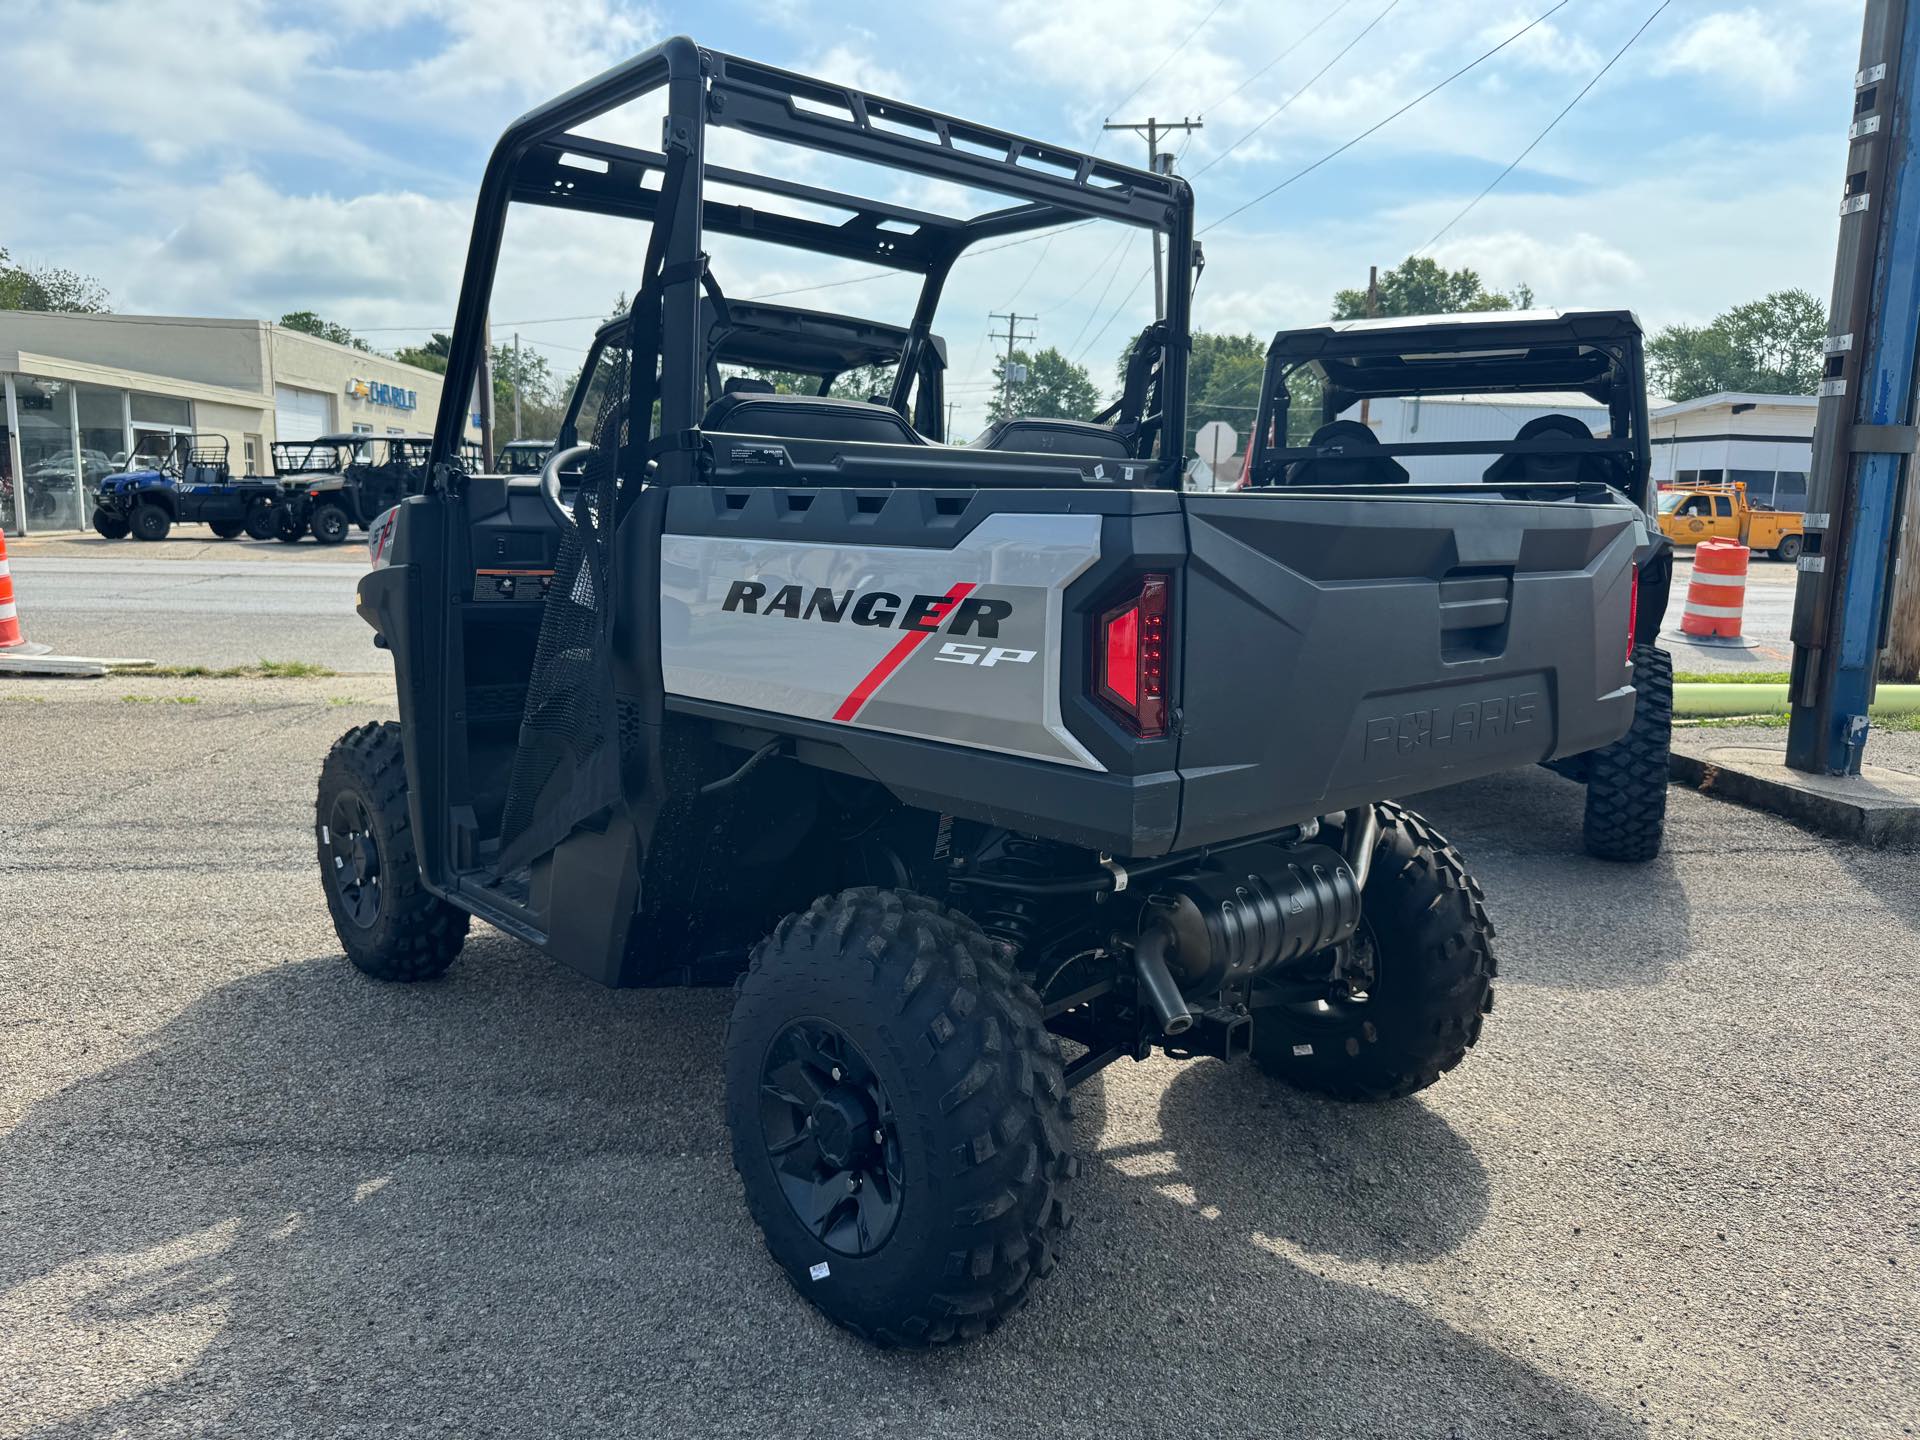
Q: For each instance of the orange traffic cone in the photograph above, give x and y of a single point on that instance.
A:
(10, 631)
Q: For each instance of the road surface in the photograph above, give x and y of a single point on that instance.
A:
(218, 605)
(1768, 620)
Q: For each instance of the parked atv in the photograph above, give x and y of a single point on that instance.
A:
(990, 764)
(524, 457)
(1534, 365)
(190, 484)
(336, 482)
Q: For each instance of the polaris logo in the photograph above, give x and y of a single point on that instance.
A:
(1441, 730)
(961, 615)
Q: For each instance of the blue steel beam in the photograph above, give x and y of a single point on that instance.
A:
(1846, 577)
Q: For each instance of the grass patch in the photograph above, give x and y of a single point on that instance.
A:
(1883, 724)
(260, 670)
(1737, 677)
(161, 699)
(24, 699)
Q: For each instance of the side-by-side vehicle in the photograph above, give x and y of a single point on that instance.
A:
(981, 766)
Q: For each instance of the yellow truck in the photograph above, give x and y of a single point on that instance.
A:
(1692, 513)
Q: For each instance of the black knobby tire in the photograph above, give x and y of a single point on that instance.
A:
(261, 520)
(1431, 943)
(150, 522)
(393, 928)
(330, 524)
(1626, 815)
(288, 527)
(225, 529)
(977, 1113)
(110, 525)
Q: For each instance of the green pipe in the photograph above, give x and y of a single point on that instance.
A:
(1701, 700)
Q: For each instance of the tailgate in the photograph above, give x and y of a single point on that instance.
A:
(1341, 648)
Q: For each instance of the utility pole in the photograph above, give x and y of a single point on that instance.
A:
(516, 384)
(947, 433)
(1006, 369)
(486, 396)
(1373, 312)
(1152, 128)
(1863, 431)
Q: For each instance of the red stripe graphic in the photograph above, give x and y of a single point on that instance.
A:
(902, 648)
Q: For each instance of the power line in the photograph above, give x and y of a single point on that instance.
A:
(1166, 58)
(1114, 314)
(1113, 273)
(1382, 124)
(1467, 209)
(1339, 55)
(1308, 35)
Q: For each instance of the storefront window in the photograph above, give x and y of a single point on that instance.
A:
(50, 482)
(10, 496)
(162, 410)
(103, 435)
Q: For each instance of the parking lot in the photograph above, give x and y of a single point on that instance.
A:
(245, 1191)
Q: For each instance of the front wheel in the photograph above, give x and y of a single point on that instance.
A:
(150, 522)
(391, 926)
(330, 524)
(260, 521)
(1626, 816)
(1410, 1000)
(110, 525)
(899, 1117)
(287, 526)
(225, 529)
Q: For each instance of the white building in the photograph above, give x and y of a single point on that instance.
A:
(83, 392)
(1762, 441)
(1427, 419)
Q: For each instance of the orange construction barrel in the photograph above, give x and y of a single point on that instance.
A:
(1718, 592)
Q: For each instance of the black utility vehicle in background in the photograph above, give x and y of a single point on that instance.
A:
(523, 457)
(189, 484)
(1323, 379)
(369, 476)
(957, 756)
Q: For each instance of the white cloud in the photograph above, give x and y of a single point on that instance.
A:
(1745, 51)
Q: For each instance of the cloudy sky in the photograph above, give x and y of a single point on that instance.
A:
(241, 157)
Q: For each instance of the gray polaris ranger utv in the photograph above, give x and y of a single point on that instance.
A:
(981, 766)
(1388, 402)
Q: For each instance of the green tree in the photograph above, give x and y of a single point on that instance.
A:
(309, 323)
(1770, 346)
(1421, 286)
(431, 356)
(1054, 387)
(48, 287)
(542, 403)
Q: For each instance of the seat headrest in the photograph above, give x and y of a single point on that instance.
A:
(747, 385)
(809, 417)
(1053, 437)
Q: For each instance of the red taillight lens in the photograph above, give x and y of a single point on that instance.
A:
(1130, 659)
(1633, 612)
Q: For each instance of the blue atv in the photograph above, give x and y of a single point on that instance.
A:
(190, 484)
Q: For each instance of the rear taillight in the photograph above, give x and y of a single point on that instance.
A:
(1633, 612)
(1130, 658)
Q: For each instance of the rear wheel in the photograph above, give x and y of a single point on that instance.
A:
(287, 526)
(150, 522)
(391, 926)
(261, 520)
(1626, 815)
(1789, 548)
(112, 526)
(330, 524)
(1409, 1005)
(225, 529)
(900, 1118)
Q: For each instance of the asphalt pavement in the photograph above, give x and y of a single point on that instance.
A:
(1767, 621)
(245, 1191)
(189, 600)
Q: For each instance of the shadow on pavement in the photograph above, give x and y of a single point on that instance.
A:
(502, 1205)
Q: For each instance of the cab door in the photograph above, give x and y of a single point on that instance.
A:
(1723, 524)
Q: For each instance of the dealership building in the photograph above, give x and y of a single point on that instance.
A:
(83, 392)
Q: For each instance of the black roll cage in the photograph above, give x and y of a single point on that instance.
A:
(541, 161)
(1596, 353)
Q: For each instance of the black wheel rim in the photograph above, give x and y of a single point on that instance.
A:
(831, 1137)
(352, 858)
